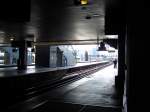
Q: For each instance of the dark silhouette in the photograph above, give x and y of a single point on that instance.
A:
(86, 56)
(115, 63)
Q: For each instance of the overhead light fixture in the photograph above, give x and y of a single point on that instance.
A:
(84, 2)
(96, 15)
(111, 36)
(12, 38)
(80, 2)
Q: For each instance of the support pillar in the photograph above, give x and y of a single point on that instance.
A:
(48, 56)
(42, 58)
(22, 61)
(119, 79)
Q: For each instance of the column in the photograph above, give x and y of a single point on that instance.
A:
(119, 79)
(22, 61)
(42, 57)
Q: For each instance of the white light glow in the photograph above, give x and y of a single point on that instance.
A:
(84, 47)
(11, 39)
(112, 36)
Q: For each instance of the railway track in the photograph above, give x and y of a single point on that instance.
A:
(45, 86)
(35, 96)
(72, 77)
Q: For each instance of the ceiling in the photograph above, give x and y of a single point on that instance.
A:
(59, 22)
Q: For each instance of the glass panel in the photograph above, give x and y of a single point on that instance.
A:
(8, 56)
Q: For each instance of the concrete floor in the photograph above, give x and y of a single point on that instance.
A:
(97, 90)
(94, 93)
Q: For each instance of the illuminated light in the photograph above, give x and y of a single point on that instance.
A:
(84, 2)
(96, 15)
(11, 39)
(112, 36)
